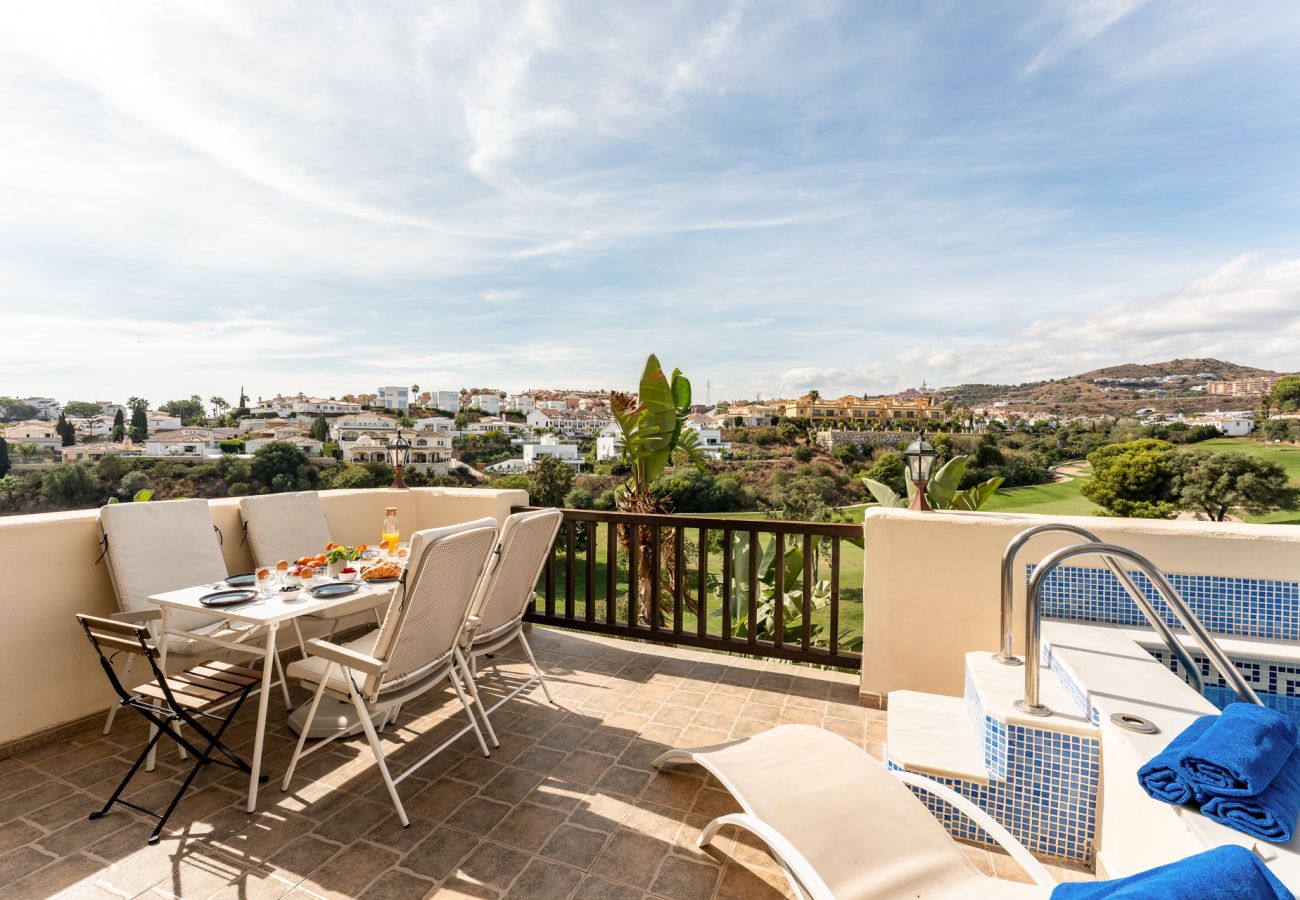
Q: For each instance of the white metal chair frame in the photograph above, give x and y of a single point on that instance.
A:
(376, 694)
(803, 879)
(479, 642)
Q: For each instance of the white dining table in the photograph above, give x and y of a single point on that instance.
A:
(264, 616)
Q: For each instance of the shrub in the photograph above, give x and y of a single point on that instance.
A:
(578, 498)
(131, 484)
(803, 454)
(347, 475)
(283, 467)
(73, 484)
(202, 473)
(232, 445)
(111, 468)
(238, 489)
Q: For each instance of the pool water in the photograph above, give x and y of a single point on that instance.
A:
(1284, 703)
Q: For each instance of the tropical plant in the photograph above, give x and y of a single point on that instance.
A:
(779, 583)
(943, 491)
(652, 435)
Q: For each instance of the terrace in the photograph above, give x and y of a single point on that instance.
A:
(568, 806)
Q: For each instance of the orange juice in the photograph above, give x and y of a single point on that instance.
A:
(392, 532)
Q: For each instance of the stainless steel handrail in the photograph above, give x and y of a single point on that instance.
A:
(1033, 621)
(1007, 656)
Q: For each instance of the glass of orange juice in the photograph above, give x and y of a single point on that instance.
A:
(392, 533)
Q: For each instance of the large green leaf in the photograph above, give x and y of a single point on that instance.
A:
(884, 494)
(944, 484)
(974, 497)
(657, 422)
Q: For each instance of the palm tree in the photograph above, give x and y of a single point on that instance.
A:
(219, 405)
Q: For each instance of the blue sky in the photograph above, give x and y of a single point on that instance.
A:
(773, 196)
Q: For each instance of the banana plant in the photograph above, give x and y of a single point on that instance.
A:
(943, 490)
(653, 435)
(777, 583)
(141, 496)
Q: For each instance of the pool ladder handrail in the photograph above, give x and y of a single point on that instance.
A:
(1110, 554)
(1007, 656)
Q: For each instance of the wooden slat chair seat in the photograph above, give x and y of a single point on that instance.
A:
(190, 696)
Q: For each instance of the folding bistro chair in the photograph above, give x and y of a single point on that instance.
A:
(189, 696)
(497, 617)
(152, 548)
(415, 649)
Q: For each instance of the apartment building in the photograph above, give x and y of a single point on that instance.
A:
(575, 422)
(850, 408)
(393, 397)
(523, 403)
(488, 403)
(345, 429)
(447, 401)
(1243, 387)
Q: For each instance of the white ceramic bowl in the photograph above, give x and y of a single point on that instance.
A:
(347, 577)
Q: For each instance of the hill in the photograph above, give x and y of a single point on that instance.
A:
(1177, 385)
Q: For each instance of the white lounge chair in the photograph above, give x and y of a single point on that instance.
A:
(843, 827)
(162, 546)
(413, 651)
(507, 591)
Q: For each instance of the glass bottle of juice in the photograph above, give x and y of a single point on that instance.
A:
(392, 531)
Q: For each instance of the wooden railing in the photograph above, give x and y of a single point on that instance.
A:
(709, 582)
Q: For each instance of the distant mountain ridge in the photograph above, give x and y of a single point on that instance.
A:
(1125, 392)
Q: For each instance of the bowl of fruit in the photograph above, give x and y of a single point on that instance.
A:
(347, 575)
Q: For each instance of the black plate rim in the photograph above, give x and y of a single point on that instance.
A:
(335, 589)
(237, 595)
(250, 576)
(381, 580)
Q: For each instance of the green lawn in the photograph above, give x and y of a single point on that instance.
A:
(1062, 499)
(1285, 455)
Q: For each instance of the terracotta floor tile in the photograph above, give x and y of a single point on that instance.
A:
(574, 846)
(398, 885)
(683, 879)
(438, 854)
(528, 826)
(631, 858)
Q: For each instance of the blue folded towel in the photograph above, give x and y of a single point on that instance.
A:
(1224, 873)
(1239, 754)
(1163, 777)
(1270, 815)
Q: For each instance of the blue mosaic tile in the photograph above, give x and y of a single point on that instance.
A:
(1042, 787)
(1250, 607)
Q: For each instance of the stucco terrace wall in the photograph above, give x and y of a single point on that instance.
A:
(50, 675)
(931, 581)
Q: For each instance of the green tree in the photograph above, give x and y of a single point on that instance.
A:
(132, 483)
(71, 485)
(890, 470)
(1285, 395)
(219, 405)
(66, 431)
(579, 498)
(1137, 479)
(190, 412)
(9, 486)
(281, 466)
(1214, 484)
(119, 427)
(14, 410)
(1277, 429)
(550, 481)
(320, 429)
(139, 418)
(460, 421)
(111, 468)
(81, 409)
(405, 422)
(4, 458)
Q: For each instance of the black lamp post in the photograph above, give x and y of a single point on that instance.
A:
(920, 457)
(399, 454)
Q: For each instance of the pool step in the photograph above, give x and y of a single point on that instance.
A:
(931, 734)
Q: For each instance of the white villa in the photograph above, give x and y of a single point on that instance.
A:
(435, 423)
(488, 403)
(492, 423)
(160, 421)
(447, 401)
(394, 397)
(523, 403)
(549, 445)
(710, 435)
(350, 428)
(98, 450)
(430, 451)
(304, 405)
(1232, 424)
(46, 407)
(32, 431)
(193, 442)
(574, 422)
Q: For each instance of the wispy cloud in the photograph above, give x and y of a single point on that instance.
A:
(329, 196)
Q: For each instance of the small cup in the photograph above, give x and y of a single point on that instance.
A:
(263, 581)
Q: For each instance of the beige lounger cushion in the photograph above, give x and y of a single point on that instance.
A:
(862, 830)
(158, 547)
(284, 526)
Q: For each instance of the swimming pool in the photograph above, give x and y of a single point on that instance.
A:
(1287, 704)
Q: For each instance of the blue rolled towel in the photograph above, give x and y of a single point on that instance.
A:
(1224, 873)
(1241, 752)
(1163, 777)
(1270, 815)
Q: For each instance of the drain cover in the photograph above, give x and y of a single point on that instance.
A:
(1132, 722)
